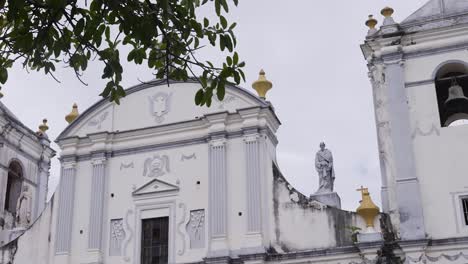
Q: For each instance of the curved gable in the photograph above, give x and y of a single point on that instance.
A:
(155, 104)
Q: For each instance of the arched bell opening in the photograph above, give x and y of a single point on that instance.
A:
(451, 83)
(14, 185)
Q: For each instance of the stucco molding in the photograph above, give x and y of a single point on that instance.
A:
(180, 231)
(155, 206)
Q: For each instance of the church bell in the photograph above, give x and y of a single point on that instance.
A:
(456, 97)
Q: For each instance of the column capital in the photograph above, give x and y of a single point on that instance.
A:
(251, 137)
(218, 142)
(71, 164)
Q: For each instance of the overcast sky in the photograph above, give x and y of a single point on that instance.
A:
(309, 50)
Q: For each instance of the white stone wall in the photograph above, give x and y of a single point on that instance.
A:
(439, 151)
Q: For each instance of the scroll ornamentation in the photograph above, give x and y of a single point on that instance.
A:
(97, 122)
(181, 251)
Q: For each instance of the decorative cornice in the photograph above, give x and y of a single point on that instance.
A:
(419, 83)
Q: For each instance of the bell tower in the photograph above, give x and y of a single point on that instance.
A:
(419, 74)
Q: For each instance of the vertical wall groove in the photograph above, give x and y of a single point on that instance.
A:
(254, 220)
(65, 211)
(217, 190)
(96, 205)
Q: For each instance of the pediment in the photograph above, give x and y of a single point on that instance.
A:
(435, 9)
(155, 186)
(155, 104)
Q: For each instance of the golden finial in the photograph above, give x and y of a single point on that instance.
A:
(387, 12)
(262, 85)
(43, 127)
(371, 22)
(73, 114)
(367, 210)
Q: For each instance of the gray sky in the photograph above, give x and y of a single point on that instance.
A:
(309, 50)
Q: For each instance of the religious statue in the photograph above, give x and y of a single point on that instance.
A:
(324, 166)
(23, 208)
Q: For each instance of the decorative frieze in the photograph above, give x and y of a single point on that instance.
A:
(97, 204)
(65, 208)
(253, 183)
(217, 188)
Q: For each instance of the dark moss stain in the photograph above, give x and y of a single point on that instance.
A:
(340, 221)
(386, 254)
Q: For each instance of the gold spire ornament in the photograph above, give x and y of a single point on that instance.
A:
(262, 85)
(73, 114)
(387, 12)
(371, 22)
(43, 128)
(367, 210)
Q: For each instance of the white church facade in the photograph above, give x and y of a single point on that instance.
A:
(157, 179)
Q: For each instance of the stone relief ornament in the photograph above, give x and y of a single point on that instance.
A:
(188, 157)
(117, 236)
(160, 105)
(227, 99)
(97, 122)
(196, 228)
(126, 166)
(181, 251)
(129, 237)
(156, 166)
(424, 258)
(432, 131)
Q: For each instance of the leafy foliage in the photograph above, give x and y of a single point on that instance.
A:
(164, 34)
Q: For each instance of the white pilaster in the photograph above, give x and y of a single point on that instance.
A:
(407, 190)
(65, 210)
(97, 204)
(253, 184)
(218, 196)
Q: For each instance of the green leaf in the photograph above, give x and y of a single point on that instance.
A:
(223, 21)
(225, 5)
(206, 22)
(220, 91)
(235, 58)
(79, 27)
(199, 97)
(3, 75)
(218, 7)
(229, 60)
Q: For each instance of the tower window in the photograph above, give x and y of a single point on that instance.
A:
(14, 184)
(155, 240)
(465, 209)
(451, 89)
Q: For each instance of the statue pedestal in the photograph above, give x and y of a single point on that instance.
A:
(331, 199)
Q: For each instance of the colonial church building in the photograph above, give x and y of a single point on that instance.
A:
(157, 179)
